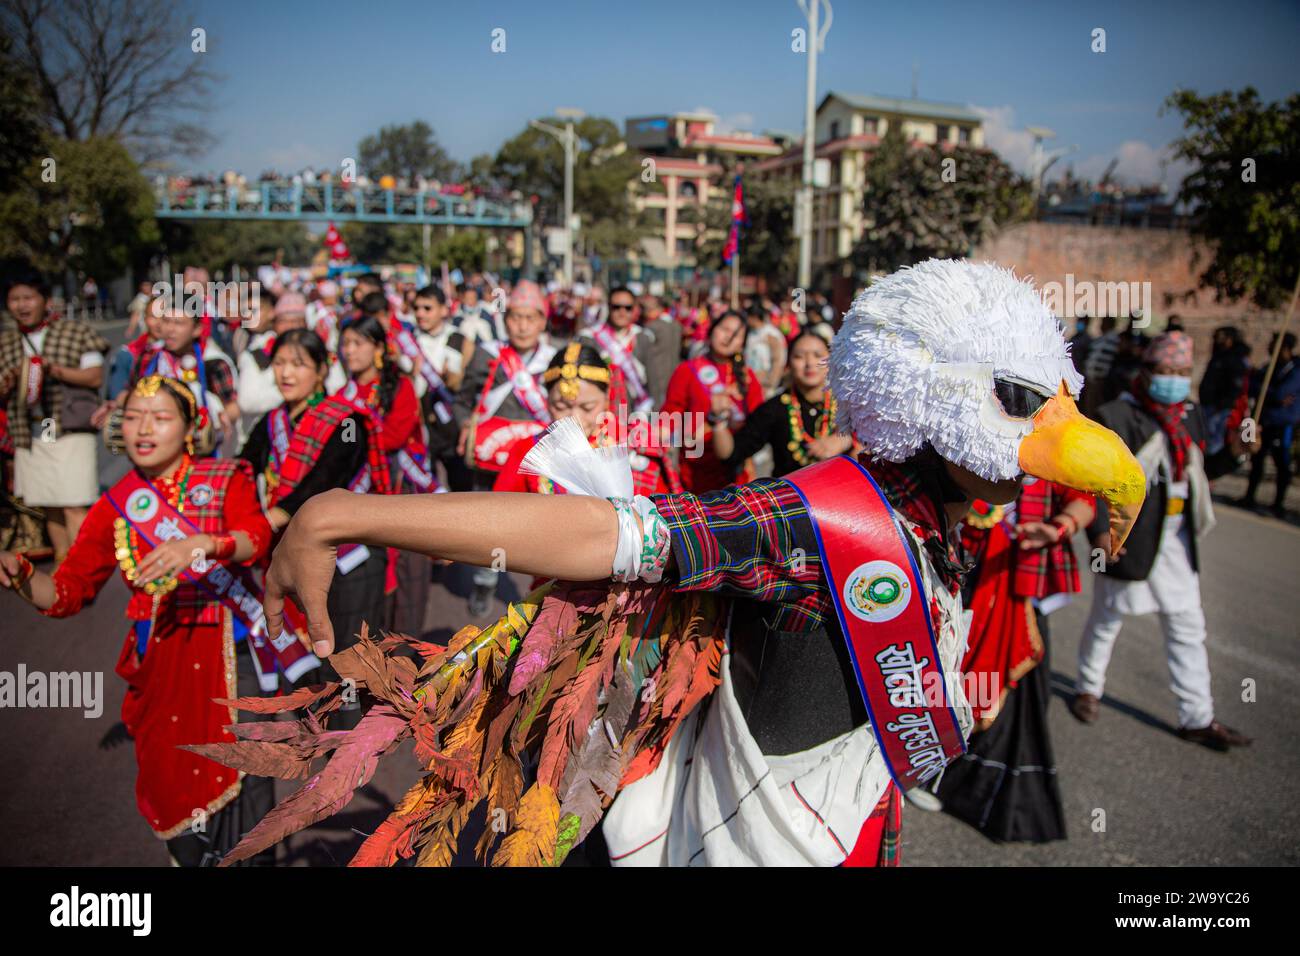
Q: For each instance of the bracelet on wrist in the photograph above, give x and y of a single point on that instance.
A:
(25, 572)
(223, 547)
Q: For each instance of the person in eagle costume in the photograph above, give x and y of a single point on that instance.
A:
(745, 677)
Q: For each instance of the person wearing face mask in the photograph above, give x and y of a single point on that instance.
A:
(1157, 571)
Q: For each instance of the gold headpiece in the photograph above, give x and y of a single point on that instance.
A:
(570, 372)
(148, 387)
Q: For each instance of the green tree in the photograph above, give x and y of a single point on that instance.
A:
(1243, 190)
(81, 206)
(378, 243)
(217, 245)
(465, 249)
(20, 123)
(126, 69)
(768, 246)
(919, 206)
(405, 151)
(533, 163)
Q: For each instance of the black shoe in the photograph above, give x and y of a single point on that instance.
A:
(1215, 735)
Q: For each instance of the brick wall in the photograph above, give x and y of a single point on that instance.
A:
(1163, 257)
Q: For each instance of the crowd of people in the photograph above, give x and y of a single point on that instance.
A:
(234, 418)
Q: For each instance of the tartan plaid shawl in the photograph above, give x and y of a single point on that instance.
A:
(310, 437)
(1053, 569)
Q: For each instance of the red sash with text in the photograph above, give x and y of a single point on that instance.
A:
(155, 520)
(880, 599)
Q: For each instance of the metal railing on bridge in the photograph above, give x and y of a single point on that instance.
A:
(337, 202)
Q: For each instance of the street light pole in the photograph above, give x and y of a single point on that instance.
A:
(805, 199)
(568, 140)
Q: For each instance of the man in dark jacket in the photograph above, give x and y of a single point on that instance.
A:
(1277, 424)
(1157, 571)
(1223, 384)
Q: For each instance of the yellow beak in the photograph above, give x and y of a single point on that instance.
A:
(1073, 451)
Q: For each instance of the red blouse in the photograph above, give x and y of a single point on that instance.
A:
(401, 420)
(91, 560)
(688, 395)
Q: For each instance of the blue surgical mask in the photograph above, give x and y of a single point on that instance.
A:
(1169, 389)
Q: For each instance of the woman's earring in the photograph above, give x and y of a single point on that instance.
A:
(189, 443)
(379, 360)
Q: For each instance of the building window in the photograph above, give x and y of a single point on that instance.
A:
(963, 134)
(835, 129)
(941, 133)
(870, 125)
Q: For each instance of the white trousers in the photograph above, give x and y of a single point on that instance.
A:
(1173, 591)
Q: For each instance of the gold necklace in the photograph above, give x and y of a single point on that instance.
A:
(126, 542)
(799, 436)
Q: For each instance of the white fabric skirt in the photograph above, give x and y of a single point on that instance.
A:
(58, 474)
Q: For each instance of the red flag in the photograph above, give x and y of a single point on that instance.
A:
(738, 218)
(338, 249)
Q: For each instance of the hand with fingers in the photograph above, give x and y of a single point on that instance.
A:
(302, 568)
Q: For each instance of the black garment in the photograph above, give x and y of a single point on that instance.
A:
(1135, 426)
(1224, 378)
(1005, 785)
(406, 605)
(355, 598)
(1275, 441)
(1080, 346)
(225, 828)
(769, 424)
(772, 670)
(339, 461)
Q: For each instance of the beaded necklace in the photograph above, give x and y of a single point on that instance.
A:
(127, 541)
(799, 436)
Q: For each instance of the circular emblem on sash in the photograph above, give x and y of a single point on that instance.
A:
(708, 374)
(142, 505)
(877, 591)
(200, 495)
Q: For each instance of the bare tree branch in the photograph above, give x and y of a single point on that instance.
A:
(121, 68)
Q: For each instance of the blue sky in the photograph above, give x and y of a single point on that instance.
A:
(303, 82)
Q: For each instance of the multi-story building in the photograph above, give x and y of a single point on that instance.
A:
(681, 167)
(848, 127)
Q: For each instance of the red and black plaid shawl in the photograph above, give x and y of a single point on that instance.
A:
(310, 437)
(1041, 572)
(1172, 424)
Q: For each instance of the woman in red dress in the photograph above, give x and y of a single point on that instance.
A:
(182, 530)
(716, 387)
(377, 384)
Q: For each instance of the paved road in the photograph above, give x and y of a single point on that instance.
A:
(67, 796)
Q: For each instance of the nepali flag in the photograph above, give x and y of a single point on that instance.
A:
(338, 249)
(739, 218)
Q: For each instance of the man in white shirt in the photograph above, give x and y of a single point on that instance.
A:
(446, 352)
(476, 319)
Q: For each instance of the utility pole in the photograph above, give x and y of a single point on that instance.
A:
(569, 141)
(805, 198)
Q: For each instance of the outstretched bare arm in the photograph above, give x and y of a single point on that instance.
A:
(573, 537)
